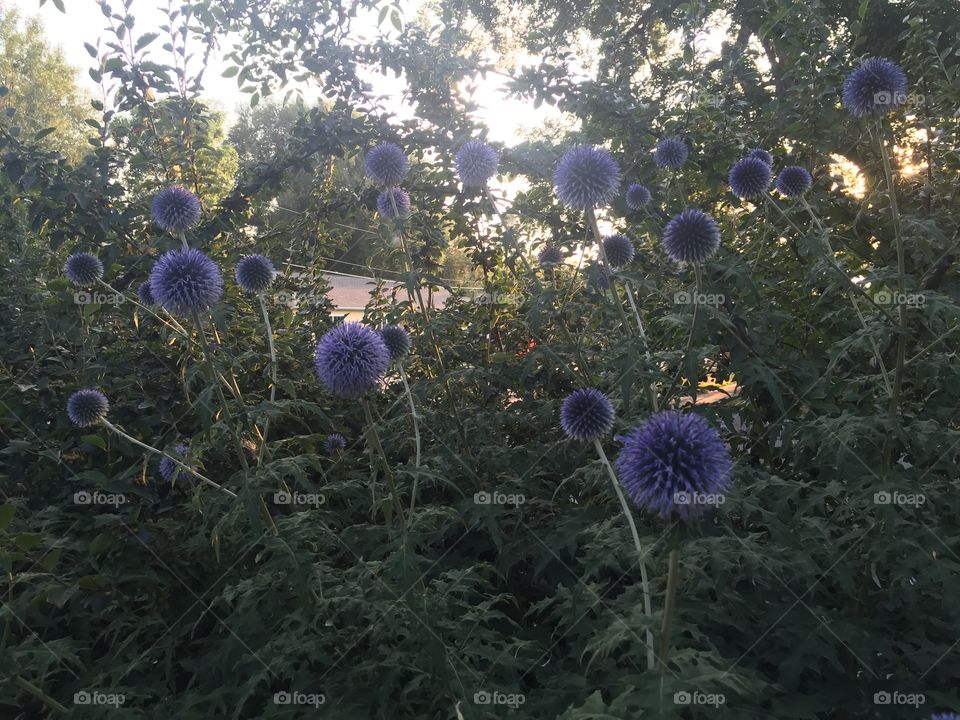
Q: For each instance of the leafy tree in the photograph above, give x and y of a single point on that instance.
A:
(41, 87)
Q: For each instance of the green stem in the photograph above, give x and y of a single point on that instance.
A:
(183, 239)
(374, 437)
(592, 220)
(175, 460)
(39, 694)
(668, 607)
(503, 224)
(894, 405)
(172, 323)
(651, 389)
(651, 661)
(273, 376)
(416, 433)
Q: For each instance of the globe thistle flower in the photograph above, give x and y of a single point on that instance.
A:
(618, 249)
(637, 196)
(761, 154)
(145, 293)
(83, 269)
(397, 341)
(597, 275)
(168, 467)
(550, 256)
(175, 209)
(691, 236)
(350, 359)
(87, 407)
(186, 281)
(749, 177)
(335, 443)
(254, 273)
(874, 88)
(671, 153)
(385, 206)
(793, 181)
(476, 163)
(386, 164)
(671, 462)
(586, 414)
(586, 177)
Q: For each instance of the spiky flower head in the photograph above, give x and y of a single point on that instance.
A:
(675, 464)
(691, 236)
(637, 196)
(749, 177)
(476, 163)
(761, 154)
(254, 273)
(397, 208)
(334, 443)
(397, 341)
(618, 249)
(586, 414)
(168, 467)
(874, 88)
(350, 359)
(386, 164)
(586, 177)
(793, 181)
(83, 269)
(145, 293)
(186, 281)
(550, 256)
(597, 275)
(87, 407)
(175, 209)
(671, 153)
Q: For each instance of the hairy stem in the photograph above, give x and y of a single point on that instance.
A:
(669, 604)
(273, 375)
(416, 433)
(374, 437)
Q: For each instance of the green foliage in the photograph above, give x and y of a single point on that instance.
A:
(802, 597)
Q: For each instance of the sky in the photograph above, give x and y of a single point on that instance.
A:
(506, 119)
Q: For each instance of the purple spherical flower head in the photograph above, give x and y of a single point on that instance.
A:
(83, 269)
(793, 181)
(87, 407)
(671, 153)
(586, 177)
(397, 208)
(586, 414)
(874, 88)
(597, 275)
(674, 464)
(691, 236)
(145, 293)
(350, 359)
(334, 443)
(175, 209)
(386, 164)
(749, 177)
(186, 281)
(761, 154)
(550, 256)
(397, 341)
(637, 196)
(254, 273)
(619, 250)
(168, 467)
(476, 162)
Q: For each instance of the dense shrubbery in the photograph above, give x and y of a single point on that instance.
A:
(435, 546)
